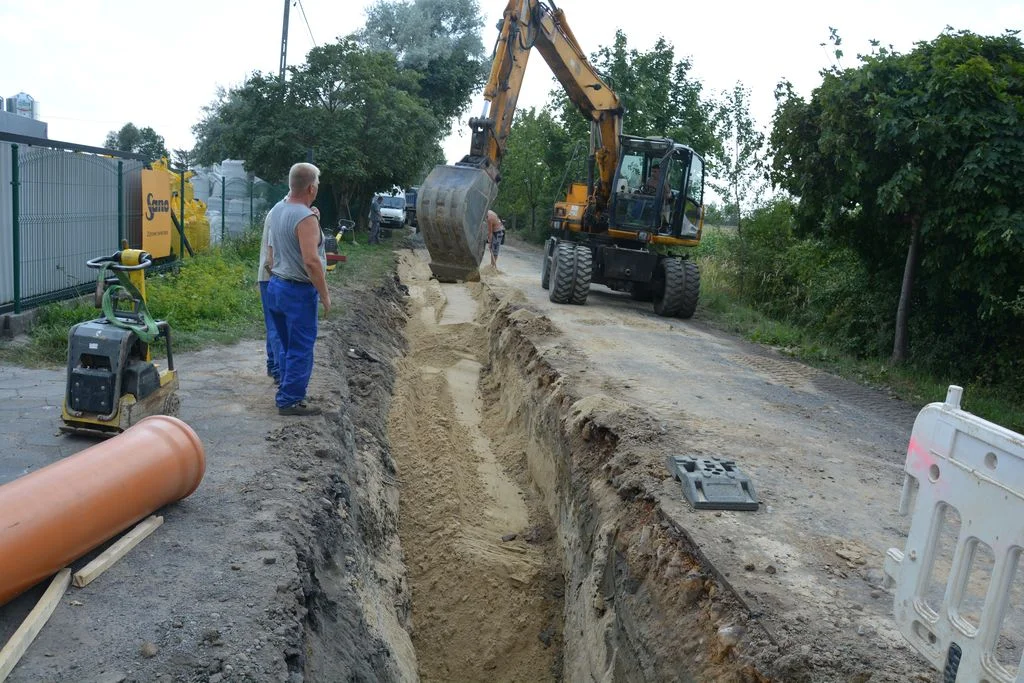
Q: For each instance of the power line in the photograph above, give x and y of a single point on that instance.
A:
(303, 10)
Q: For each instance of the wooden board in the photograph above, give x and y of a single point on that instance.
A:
(108, 557)
(29, 629)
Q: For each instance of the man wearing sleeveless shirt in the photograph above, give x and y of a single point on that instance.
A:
(295, 255)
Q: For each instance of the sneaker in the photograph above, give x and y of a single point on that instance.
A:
(300, 408)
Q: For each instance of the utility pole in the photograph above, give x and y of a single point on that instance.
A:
(284, 39)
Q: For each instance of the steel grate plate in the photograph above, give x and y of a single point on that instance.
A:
(713, 483)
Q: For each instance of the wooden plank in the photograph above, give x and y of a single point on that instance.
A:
(106, 559)
(29, 629)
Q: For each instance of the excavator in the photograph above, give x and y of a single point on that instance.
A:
(641, 194)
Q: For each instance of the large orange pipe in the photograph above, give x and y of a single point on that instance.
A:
(57, 514)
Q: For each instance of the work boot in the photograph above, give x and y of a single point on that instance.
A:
(300, 408)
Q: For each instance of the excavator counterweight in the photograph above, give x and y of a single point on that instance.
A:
(450, 207)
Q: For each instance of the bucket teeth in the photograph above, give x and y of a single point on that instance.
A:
(451, 206)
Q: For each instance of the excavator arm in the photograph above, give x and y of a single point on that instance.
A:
(528, 24)
(453, 200)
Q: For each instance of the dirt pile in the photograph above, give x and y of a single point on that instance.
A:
(285, 564)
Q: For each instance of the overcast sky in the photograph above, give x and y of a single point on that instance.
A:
(94, 65)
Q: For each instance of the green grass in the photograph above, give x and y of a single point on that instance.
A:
(723, 308)
(213, 299)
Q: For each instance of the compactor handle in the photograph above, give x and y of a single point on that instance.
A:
(114, 262)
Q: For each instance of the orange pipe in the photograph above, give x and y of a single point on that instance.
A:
(55, 515)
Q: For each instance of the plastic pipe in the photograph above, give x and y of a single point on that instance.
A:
(55, 515)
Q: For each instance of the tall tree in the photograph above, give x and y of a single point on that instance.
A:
(916, 161)
(357, 112)
(144, 141)
(440, 40)
(741, 166)
(182, 159)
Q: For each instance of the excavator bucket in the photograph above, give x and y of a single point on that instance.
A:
(450, 207)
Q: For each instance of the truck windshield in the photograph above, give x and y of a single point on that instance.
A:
(393, 203)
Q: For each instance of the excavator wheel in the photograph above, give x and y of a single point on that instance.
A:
(584, 271)
(669, 287)
(691, 289)
(563, 273)
(545, 268)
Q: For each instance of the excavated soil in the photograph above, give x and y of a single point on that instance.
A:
(483, 570)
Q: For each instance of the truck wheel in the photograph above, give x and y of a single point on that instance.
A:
(669, 287)
(584, 270)
(545, 267)
(691, 289)
(563, 273)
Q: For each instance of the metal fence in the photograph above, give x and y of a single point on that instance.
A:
(60, 205)
(233, 204)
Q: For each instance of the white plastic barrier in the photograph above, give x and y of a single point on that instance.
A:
(959, 582)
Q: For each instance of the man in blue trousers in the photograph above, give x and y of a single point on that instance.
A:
(295, 250)
(263, 277)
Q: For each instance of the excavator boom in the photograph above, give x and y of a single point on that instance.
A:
(453, 200)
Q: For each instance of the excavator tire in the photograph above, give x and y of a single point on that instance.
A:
(691, 289)
(545, 268)
(584, 271)
(563, 273)
(669, 287)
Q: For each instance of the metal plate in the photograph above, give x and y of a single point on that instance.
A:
(713, 483)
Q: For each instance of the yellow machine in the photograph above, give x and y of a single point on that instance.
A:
(112, 381)
(640, 192)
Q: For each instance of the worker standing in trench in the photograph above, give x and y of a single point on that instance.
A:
(495, 236)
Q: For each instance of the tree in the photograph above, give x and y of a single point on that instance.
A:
(144, 141)
(916, 162)
(440, 40)
(355, 109)
(182, 159)
(656, 91)
(531, 168)
(658, 95)
(741, 165)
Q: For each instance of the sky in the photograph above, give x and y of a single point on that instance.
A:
(94, 65)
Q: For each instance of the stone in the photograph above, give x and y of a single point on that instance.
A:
(509, 537)
(148, 650)
(731, 635)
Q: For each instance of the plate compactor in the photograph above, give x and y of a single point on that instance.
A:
(112, 381)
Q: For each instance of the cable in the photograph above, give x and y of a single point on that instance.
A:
(303, 10)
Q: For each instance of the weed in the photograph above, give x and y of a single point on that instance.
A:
(211, 299)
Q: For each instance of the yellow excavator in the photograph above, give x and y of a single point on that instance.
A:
(640, 192)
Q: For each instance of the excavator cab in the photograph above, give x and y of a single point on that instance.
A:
(659, 188)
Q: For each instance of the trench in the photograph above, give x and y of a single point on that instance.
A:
(530, 554)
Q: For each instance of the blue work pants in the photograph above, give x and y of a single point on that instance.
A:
(293, 313)
(273, 343)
